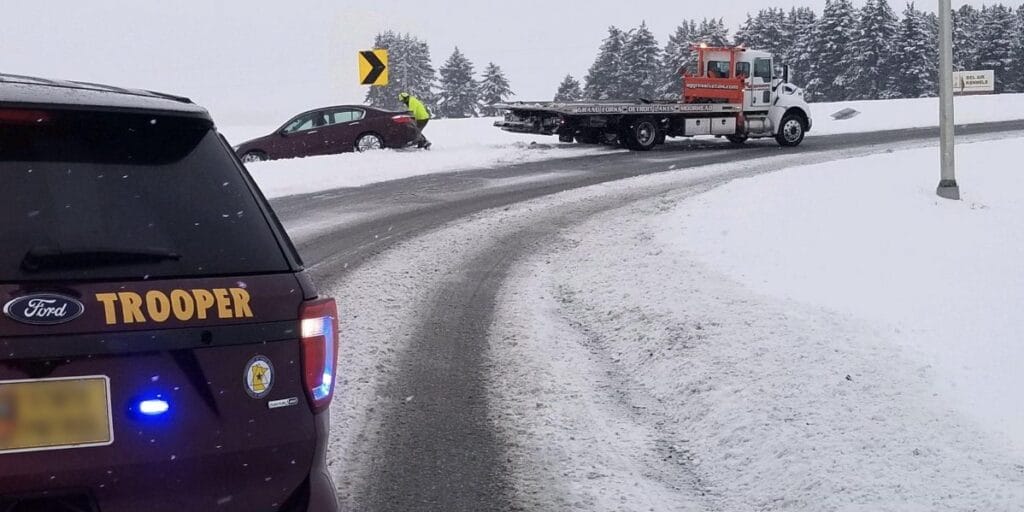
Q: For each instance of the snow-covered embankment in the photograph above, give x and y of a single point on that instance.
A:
(832, 337)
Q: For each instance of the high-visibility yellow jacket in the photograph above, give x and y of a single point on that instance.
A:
(419, 111)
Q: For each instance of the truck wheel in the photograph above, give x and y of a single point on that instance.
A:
(641, 136)
(610, 139)
(737, 139)
(588, 137)
(791, 132)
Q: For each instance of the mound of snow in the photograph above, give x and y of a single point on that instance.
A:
(868, 238)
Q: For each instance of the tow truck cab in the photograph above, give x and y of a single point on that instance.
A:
(750, 78)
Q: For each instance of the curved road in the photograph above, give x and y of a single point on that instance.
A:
(440, 452)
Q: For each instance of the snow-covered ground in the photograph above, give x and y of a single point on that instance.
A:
(914, 113)
(869, 239)
(831, 337)
(461, 144)
(458, 144)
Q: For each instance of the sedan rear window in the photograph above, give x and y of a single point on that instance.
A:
(94, 195)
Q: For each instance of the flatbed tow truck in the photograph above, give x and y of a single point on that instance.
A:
(734, 92)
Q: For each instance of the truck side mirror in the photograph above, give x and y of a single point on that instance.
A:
(785, 74)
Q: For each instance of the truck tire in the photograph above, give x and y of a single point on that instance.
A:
(610, 139)
(588, 137)
(641, 135)
(737, 139)
(791, 131)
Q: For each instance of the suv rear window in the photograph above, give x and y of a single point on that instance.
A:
(111, 196)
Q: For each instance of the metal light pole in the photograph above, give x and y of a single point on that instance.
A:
(947, 186)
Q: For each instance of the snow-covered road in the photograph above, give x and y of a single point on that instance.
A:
(494, 359)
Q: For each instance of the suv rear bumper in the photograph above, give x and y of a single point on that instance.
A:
(315, 494)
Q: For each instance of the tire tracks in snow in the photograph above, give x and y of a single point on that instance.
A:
(441, 445)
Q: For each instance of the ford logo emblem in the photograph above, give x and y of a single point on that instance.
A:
(44, 309)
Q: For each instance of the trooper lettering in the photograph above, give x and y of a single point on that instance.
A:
(182, 305)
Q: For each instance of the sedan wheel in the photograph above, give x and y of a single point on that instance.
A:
(253, 156)
(369, 142)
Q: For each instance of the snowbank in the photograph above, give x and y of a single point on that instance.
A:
(869, 239)
(458, 144)
(914, 113)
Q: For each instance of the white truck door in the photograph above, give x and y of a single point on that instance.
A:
(760, 84)
(744, 70)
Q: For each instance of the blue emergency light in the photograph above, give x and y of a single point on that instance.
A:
(153, 407)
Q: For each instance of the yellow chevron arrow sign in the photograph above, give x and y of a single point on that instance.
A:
(373, 67)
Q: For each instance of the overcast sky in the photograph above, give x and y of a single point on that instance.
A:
(258, 61)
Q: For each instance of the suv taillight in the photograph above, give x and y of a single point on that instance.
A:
(23, 117)
(319, 327)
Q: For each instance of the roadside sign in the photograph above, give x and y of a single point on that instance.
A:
(974, 82)
(373, 67)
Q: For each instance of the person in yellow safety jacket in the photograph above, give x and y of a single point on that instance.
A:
(420, 113)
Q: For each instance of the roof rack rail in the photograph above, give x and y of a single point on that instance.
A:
(69, 84)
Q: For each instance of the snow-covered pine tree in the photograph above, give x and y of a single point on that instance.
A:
(995, 42)
(1016, 78)
(569, 90)
(873, 51)
(420, 75)
(677, 57)
(832, 58)
(765, 31)
(749, 33)
(917, 56)
(387, 96)
(800, 29)
(775, 27)
(459, 93)
(713, 32)
(602, 80)
(641, 64)
(494, 88)
(966, 20)
(410, 70)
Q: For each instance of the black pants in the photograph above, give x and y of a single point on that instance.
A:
(421, 140)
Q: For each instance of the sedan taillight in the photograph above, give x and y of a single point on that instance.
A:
(403, 119)
(319, 327)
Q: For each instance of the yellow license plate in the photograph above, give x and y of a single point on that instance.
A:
(55, 414)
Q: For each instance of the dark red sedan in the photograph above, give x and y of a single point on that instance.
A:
(331, 130)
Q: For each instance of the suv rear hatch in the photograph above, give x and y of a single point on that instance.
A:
(150, 347)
